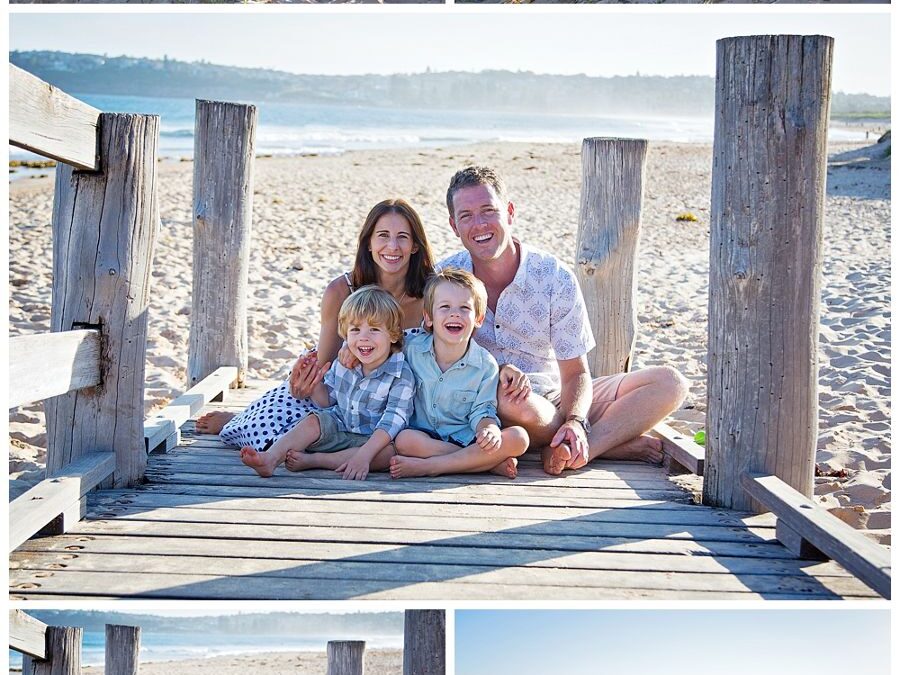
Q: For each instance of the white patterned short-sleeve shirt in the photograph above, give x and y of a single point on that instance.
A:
(540, 319)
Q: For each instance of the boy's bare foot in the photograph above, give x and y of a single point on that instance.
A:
(212, 422)
(297, 460)
(260, 462)
(640, 449)
(555, 458)
(508, 468)
(408, 467)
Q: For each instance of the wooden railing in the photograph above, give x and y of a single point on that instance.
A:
(765, 271)
(89, 370)
(51, 649)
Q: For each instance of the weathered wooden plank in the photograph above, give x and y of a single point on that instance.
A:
(869, 561)
(231, 466)
(27, 635)
(166, 422)
(260, 587)
(51, 123)
(345, 657)
(768, 193)
(460, 524)
(224, 143)
(612, 190)
(445, 495)
(29, 512)
(123, 650)
(104, 230)
(122, 501)
(66, 361)
(63, 654)
(424, 642)
(680, 448)
(514, 538)
(382, 483)
(119, 553)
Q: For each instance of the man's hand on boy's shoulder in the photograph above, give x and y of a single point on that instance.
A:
(514, 384)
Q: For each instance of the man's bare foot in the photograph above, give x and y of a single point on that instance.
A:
(212, 422)
(640, 449)
(555, 458)
(408, 467)
(260, 462)
(508, 468)
(297, 460)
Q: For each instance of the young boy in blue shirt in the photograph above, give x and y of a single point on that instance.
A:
(454, 428)
(364, 407)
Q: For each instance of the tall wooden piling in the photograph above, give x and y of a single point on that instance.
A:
(123, 647)
(224, 146)
(612, 190)
(345, 657)
(104, 231)
(63, 654)
(768, 191)
(424, 639)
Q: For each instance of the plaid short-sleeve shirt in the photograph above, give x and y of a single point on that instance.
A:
(383, 399)
(540, 319)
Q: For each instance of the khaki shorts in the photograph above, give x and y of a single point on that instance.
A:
(331, 439)
(606, 390)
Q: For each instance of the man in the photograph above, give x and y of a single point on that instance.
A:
(537, 323)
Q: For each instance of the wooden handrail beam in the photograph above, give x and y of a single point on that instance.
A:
(50, 364)
(27, 635)
(29, 512)
(165, 424)
(859, 555)
(681, 448)
(47, 121)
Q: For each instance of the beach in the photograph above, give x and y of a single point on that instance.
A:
(377, 662)
(308, 210)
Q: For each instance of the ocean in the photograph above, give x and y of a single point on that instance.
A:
(178, 646)
(305, 129)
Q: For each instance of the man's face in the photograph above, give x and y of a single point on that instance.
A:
(482, 222)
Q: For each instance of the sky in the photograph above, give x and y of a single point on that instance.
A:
(595, 43)
(674, 642)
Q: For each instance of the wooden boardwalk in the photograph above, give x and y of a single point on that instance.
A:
(205, 527)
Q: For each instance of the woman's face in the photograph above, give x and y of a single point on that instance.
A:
(392, 243)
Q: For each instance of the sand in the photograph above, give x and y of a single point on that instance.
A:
(377, 662)
(307, 212)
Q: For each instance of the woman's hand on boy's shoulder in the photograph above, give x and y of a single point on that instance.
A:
(514, 384)
(306, 374)
(346, 358)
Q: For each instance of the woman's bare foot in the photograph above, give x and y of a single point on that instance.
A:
(408, 467)
(555, 458)
(262, 462)
(508, 468)
(640, 449)
(212, 422)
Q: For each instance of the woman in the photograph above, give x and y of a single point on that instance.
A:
(392, 252)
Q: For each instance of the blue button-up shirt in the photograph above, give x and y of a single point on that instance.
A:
(453, 402)
(382, 399)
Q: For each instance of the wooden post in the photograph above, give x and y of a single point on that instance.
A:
(345, 657)
(104, 230)
(612, 189)
(224, 143)
(63, 654)
(424, 642)
(123, 647)
(768, 192)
